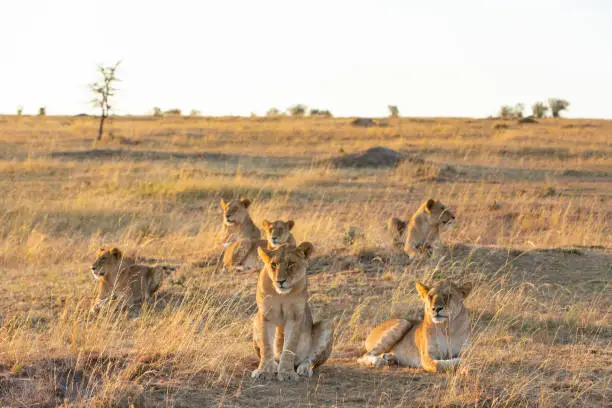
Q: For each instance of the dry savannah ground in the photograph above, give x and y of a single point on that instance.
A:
(533, 207)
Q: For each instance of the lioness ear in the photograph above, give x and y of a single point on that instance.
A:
(223, 204)
(465, 289)
(246, 202)
(266, 224)
(116, 253)
(430, 203)
(100, 251)
(423, 290)
(263, 255)
(305, 249)
(290, 224)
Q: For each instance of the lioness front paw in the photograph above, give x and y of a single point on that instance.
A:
(288, 375)
(265, 372)
(305, 368)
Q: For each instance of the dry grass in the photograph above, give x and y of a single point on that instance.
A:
(533, 232)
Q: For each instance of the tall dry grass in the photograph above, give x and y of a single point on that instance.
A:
(533, 233)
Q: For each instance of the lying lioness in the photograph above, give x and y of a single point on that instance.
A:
(284, 335)
(434, 343)
(121, 278)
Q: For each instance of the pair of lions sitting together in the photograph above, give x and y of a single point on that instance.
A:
(242, 238)
(287, 340)
(419, 236)
(289, 344)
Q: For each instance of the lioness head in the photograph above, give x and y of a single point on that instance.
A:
(438, 213)
(397, 229)
(105, 258)
(277, 232)
(235, 211)
(444, 300)
(286, 265)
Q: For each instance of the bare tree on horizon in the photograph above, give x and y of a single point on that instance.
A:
(104, 90)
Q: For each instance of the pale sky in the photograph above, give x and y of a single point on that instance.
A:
(431, 58)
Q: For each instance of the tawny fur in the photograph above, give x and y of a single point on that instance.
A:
(121, 278)
(397, 229)
(237, 222)
(241, 237)
(423, 233)
(434, 343)
(278, 233)
(286, 339)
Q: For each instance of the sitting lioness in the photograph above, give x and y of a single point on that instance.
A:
(434, 343)
(424, 227)
(237, 222)
(279, 233)
(242, 237)
(284, 335)
(120, 277)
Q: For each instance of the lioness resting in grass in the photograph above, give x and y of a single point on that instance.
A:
(241, 236)
(286, 339)
(434, 343)
(121, 278)
(424, 228)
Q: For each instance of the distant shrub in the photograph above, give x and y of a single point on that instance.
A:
(538, 109)
(506, 112)
(19, 110)
(272, 112)
(499, 126)
(42, 111)
(195, 113)
(511, 112)
(557, 106)
(173, 112)
(393, 111)
(298, 110)
(519, 108)
(157, 112)
(320, 112)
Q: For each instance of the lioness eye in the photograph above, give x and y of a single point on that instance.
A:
(290, 265)
(273, 265)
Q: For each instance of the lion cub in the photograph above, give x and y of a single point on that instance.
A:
(242, 237)
(279, 233)
(423, 231)
(121, 277)
(284, 334)
(434, 343)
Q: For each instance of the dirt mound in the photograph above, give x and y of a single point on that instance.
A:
(363, 122)
(374, 157)
(528, 119)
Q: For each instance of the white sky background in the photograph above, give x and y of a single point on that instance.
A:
(442, 58)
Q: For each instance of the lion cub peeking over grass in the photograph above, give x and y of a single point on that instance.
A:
(434, 343)
(288, 342)
(242, 237)
(423, 231)
(120, 277)
(279, 233)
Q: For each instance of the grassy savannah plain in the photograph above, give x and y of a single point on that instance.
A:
(533, 233)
